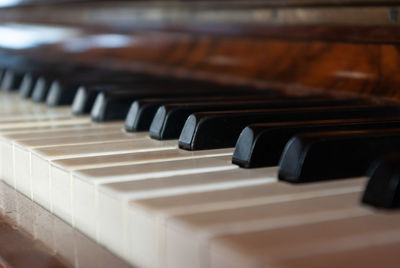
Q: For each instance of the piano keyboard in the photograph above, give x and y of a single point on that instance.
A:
(156, 205)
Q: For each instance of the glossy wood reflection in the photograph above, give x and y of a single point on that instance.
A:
(367, 69)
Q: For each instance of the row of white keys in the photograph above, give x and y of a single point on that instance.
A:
(290, 222)
(73, 180)
(20, 145)
(50, 150)
(174, 231)
(84, 182)
(13, 107)
(21, 149)
(143, 200)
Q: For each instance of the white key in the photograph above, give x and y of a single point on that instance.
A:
(16, 169)
(360, 228)
(113, 198)
(187, 236)
(40, 168)
(86, 182)
(148, 217)
(367, 253)
(61, 170)
(6, 148)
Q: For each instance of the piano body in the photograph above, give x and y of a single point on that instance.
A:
(141, 172)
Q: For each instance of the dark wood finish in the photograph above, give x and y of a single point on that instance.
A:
(296, 66)
(31, 236)
(18, 250)
(343, 47)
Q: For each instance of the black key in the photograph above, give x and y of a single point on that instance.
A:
(141, 112)
(60, 94)
(210, 130)
(383, 188)
(330, 155)
(86, 95)
(170, 119)
(27, 85)
(63, 89)
(11, 81)
(114, 105)
(261, 145)
(41, 89)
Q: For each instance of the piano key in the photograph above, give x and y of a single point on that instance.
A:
(7, 162)
(337, 154)
(85, 182)
(16, 170)
(170, 118)
(61, 169)
(85, 97)
(141, 112)
(261, 145)
(86, 94)
(115, 104)
(44, 123)
(382, 190)
(39, 160)
(11, 81)
(211, 130)
(41, 89)
(186, 235)
(148, 217)
(113, 197)
(144, 86)
(9, 136)
(60, 131)
(59, 95)
(255, 249)
(51, 127)
(27, 85)
(85, 138)
(87, 162)
(364, 254)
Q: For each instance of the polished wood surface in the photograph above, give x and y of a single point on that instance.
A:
(296, 66)
(343, 46)
(17, 250)
(31, 236)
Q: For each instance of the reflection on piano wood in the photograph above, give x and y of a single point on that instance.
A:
(33, 237)
(211, 94)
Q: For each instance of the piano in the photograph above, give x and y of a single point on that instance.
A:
(199, 133)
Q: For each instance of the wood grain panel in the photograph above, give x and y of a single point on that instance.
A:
(366, 69)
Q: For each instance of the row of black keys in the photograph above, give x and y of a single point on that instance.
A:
(310, 138)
